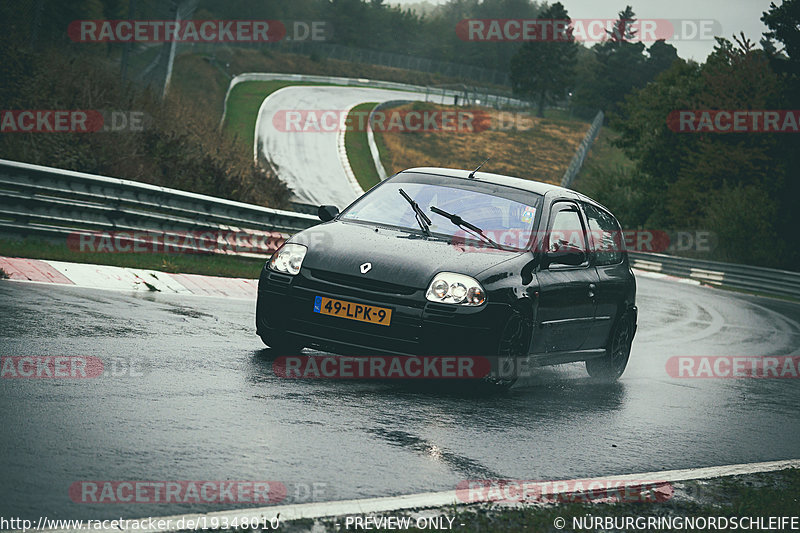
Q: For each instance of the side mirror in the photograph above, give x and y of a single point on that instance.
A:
(326, 213)
(565, 255)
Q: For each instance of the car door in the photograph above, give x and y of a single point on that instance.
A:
(566, 304)
(605, 240)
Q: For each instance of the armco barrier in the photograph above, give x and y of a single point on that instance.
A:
(37, 200)
(433, 92)
(744, 277)
(583, 150)
(55, 203)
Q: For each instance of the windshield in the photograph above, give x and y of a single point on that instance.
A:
(505, 215)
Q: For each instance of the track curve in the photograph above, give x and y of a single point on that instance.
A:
(308, 160)
(207, 405)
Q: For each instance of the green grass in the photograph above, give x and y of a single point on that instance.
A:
(760, 495)
(604, 155)
(244, 102)
(207, 264)
(137, 62)
(357, 148)
(383, 151)
(561, 114)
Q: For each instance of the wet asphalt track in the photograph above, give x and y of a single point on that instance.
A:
(307, 160)
(205, 405)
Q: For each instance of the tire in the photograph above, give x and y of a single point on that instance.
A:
(611, 366)
(282, 344)
(511, 347)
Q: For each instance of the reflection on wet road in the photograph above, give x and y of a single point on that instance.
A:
(193, 397)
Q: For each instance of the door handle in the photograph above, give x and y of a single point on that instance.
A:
(592, 287)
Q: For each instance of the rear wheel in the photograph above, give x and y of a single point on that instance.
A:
(611, 366)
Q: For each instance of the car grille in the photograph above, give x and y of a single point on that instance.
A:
(362, 283)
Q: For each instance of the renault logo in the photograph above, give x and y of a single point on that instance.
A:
(366, 267)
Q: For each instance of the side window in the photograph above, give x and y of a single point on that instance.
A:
(605, 235)
(566, 228)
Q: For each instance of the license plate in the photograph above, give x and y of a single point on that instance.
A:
(353, 311)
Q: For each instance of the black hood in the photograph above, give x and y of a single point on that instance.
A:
(397, 256)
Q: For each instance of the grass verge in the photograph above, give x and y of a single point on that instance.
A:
(243, 105)
(357, 148)
(210, 264)
(605, 155)
(518, 143)
(766, 495)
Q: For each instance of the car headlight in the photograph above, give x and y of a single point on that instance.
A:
(288, 258)
(451, 288)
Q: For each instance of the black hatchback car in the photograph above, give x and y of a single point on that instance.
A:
(437, 261)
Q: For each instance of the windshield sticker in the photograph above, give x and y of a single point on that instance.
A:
(528, 214)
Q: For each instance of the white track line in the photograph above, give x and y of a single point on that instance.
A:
(658, 275)
(434, 499)
(343, 159)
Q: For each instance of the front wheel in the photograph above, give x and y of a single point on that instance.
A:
(611, 366)
(511, 349)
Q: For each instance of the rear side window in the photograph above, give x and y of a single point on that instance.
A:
(605, 235)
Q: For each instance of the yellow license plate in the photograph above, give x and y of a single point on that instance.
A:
(353, 311)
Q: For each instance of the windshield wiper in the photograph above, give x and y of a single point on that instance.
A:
(460, 222)
(422, 219)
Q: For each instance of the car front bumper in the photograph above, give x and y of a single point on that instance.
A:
(418, 327)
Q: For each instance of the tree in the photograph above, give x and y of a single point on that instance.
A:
(784, 29)
(660, 56)
(784, 26)
(730, 183)
(623, 31)
(618, 66)
(621, 66)
(543, 70)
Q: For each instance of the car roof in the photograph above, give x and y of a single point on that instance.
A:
(537, 187)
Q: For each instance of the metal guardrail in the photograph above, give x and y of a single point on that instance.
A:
(583, 150)
(54, 203)
(744, 277)
(434, 93)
